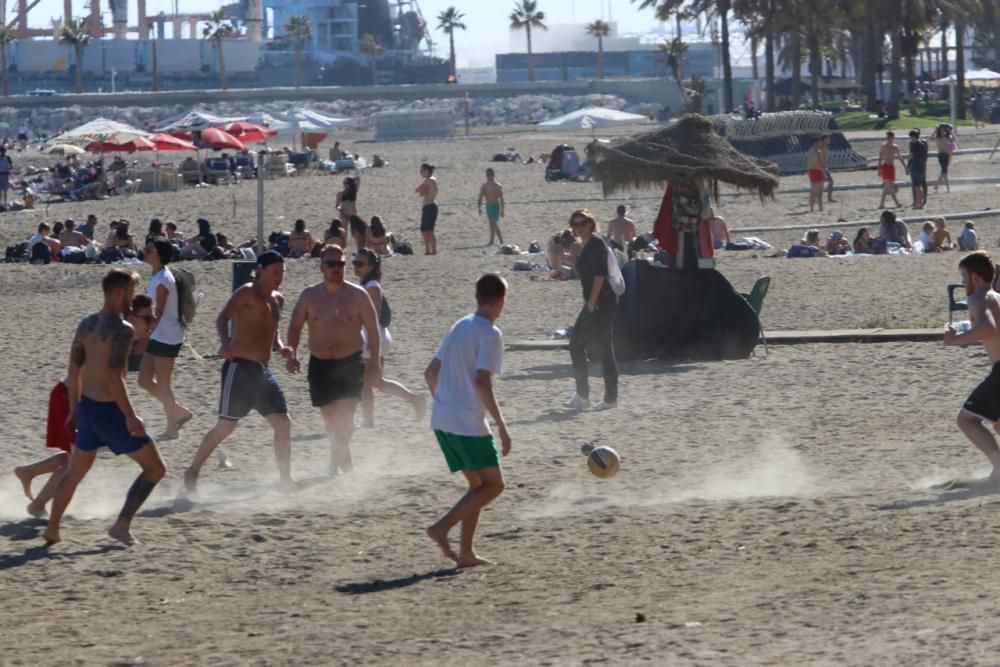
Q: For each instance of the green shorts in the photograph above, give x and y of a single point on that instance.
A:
(493, 212)
(468, 452)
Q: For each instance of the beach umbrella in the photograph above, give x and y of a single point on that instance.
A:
(135, 145)
(194, 120)
(689, 148)
(218, 139)
(64, 150)
(248, 133)
(165, 142)
(591, 118)
(101, 130)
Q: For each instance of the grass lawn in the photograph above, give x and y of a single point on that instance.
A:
(863, 120)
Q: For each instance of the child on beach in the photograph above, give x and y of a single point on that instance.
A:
(926, 238)
(968, 240)
(941, 236)
(460, 378)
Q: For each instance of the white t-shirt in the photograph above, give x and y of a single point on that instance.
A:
(168, 330)
(472, 344)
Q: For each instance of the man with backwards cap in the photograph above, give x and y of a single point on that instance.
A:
(254, 309)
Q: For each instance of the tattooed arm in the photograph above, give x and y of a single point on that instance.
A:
(77, 357)
(119, 345)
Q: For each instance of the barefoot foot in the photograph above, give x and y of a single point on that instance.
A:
(190, 482)
(51, 536)
(123, 535)
(472, 560)
(37, 512)
(441, 540)
(25, 477)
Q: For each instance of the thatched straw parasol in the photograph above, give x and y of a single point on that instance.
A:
(689, 148)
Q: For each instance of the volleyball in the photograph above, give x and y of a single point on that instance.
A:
(603, 462)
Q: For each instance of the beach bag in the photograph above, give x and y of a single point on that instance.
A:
(615, 278)
(186, 303)
(385, 313)
(17, 252)
(404, 249)
(73, 256)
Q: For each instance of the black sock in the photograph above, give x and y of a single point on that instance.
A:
(141, 488)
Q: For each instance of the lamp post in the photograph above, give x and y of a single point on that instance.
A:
(261, 169)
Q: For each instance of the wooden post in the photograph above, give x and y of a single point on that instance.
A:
(466, 114)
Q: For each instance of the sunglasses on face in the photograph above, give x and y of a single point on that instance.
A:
(578, 223)
(334, 263)
(359, 262)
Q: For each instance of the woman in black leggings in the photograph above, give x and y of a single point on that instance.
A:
(592, 333)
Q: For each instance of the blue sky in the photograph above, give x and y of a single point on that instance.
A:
(486, 35)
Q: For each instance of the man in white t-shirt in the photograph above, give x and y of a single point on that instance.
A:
(460, 378)
(166, 339)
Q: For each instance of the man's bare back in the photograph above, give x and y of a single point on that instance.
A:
(255, 320)
(102, 342)
(982, 305)
(335, 319)
(621, 230)
(814, 158)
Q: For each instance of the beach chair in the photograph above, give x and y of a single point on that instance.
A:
(217, 170)
(756, 300)
(276, 165)
(955, 305)
(190, 172)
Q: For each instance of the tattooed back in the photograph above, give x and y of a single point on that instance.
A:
(100, 348)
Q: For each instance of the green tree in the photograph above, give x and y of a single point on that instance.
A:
(449, 21)
(299, 30)
(526, 16)
(371, 47)
(673, 55)
(6, 39)
(599, 29)
(218, 30)
(76, 34)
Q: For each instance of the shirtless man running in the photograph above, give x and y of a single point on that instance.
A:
(336, 312)
(428, 191)
(100, 411)
(887, 156)
(983, 403)
(247, 381)
(492, 193)
(816, 164)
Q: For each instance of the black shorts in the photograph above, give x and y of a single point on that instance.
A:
(335, 379)
(249, 385)
(944, 159)
(155, 348)
(984, 401)
(918, 178)
(428, 217)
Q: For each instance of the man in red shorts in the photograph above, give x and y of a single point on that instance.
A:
(887, 156)
(816, 164)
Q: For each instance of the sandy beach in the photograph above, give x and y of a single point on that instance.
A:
(771, 511)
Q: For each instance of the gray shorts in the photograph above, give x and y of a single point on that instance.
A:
(4, 182)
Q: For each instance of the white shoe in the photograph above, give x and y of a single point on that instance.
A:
(577, 402)
(604, 405)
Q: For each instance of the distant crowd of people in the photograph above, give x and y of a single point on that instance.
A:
(893, 237)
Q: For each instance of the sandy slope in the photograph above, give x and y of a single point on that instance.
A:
(769, 511)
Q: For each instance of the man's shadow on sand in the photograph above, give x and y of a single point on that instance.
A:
(969, 491)
(43, 551)
(380, 585)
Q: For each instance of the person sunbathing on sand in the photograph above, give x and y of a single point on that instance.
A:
(983, 403)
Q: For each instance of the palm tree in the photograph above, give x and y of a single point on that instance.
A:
(449, 21)
(218, 29)
(673, 52)
(599, 29)
(6, 39)
(370, 45)
(76, 34)
(526, 15)
(299, 29)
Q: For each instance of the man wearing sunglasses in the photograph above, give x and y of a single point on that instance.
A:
(336, 312)
(247, 381)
